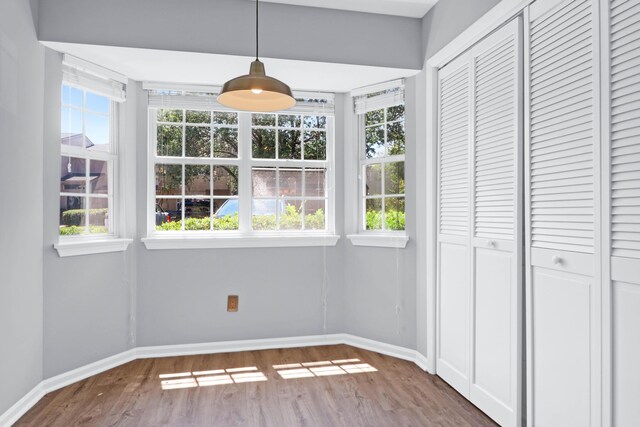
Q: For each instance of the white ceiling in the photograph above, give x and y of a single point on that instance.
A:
(410, 8)
(211, 69)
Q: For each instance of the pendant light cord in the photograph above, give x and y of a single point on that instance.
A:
(256, 30)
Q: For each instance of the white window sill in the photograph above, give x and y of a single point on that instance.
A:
(379, 240)
(200, 242)
(88, 247)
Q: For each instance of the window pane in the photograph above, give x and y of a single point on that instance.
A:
(169, 140)
(314, 214)
(225, 180)
(198, 117)
(71, 96)
(73, 177)
(169, 179)
(98, 103)
(98, 215)
(263, 214)
(225, 142)
(225, 118)
(71, 127)
(314, 185)
(174, 116)
(291, 217)
(315, 145)
(197, 179)
(394, 213)
(72, 215)
(197, 213)
(288, 121)
(315, 122)
(394, 178)
(263, 119)
(168, 214)
(98, 177)
(395, 138)
(289, 144)
(264, 182)
(264, 143)
(290, 182)
(374, 117)
(97, 132)
(226, 214)
(395, 113)
(374, 142)
(373, 215)
(373, 179)
(197, 141)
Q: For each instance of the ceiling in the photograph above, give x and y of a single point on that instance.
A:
(410, 8)
(212, 69)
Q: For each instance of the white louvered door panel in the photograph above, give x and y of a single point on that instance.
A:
(562, 129)
(496, 246)
(454, 130)
(479, 224)
(625, 129)
(563, 199)
(623, 25)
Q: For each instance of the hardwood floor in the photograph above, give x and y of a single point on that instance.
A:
(245, 389)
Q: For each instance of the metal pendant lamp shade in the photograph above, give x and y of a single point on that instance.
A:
(256, 91)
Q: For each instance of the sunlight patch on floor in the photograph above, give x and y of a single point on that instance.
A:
(322, 368)
(212, 377)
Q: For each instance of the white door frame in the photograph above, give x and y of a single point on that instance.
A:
(499, 15)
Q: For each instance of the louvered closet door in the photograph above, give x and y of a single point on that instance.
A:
(454, 216)
(480, 236)
(496, 244)
(624, 193)
(563, 294)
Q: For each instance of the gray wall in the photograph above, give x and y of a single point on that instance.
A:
(140, 297)
(86, 298)
(379, 279)
(227, 27)
(181, 294)
(21, 101)
(447, 19)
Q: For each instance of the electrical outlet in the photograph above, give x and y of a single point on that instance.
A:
(232, 303)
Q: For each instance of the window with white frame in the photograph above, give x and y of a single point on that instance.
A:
(380, 114)
(216, 171)
(89, 105)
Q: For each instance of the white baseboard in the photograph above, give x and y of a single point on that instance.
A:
(70, 377)
(234, 346)
(54, 383)
(387, 349)
(14, 413)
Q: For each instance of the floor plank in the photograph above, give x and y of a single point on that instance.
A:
(323, 389)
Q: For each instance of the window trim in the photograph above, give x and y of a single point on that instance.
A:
(353, 195)
(396, 240)
(91, 246)
(363, 162)
(112, 159)
(239, 241)
(244, 236)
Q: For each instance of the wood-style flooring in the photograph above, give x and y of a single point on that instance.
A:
(322, 386)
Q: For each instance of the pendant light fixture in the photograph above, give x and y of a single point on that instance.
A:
(256, 91)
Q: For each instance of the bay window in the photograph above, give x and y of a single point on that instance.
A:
(214, 172)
